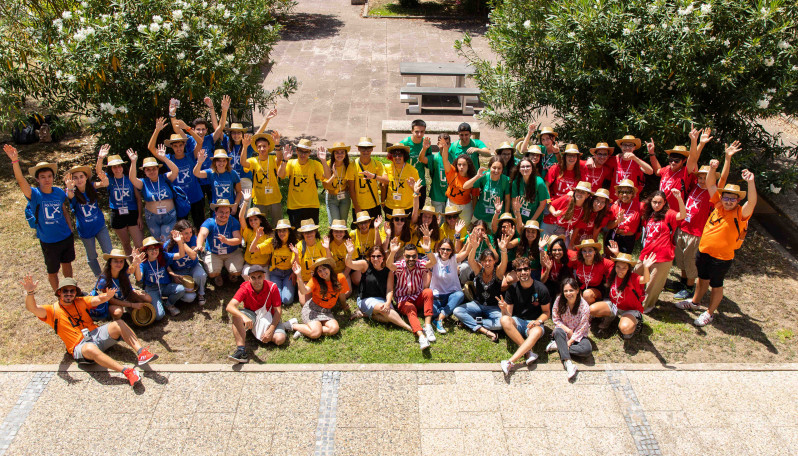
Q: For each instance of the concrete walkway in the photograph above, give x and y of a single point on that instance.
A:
(402, 409)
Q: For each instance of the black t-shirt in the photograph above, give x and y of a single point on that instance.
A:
(527, 302)
(487, 294)
(374, 283)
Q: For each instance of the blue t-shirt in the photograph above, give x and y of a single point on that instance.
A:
(185, 177)
(186, 264)
(89, 219)
(154, 273)
(121, 194)
(212, 242)
(102, 285)
(236, 159)
(223, 186)
(156, 191)
(51, 223)
(209, 146)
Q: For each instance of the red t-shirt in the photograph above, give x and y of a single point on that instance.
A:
(599, 176)
(269, 295)
(559, 186)
(561, 204)
(594, 275)
(698, 210)
(631, 298)
(631, 216)
(558, 271)
(659, 237)
(679, 180)
(626, 170)
(586, 228)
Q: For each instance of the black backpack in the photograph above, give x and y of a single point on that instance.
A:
(24, 133)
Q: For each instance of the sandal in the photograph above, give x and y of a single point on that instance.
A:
(492, 336)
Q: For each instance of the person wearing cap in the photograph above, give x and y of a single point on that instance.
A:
(188, 266)
(625, 228)
(599, 169)
(185, 163)
(467, 144)
(266, 194)
(698, 208)
(84, 340)
(548, 149)
(89, 219)
(629, 166)
(591, 269)
(425, 225)
(415, 142)
(324, 290)
(50, 214)
(225, 184)
(437, 171)
(124, 200)
(365, 178)
(625, 295)
(723, 233)
(116, 275)
(659, 226)
(202, 136)
(221, 237)
(256, 293)
(303, 175)
(492, 184)
(308, 250)
(680, 172)
(597, 215)
(566, 211)
(254, 229)
(453, 227)
(563, 176)
(159, 198)
(529, 191)
(402, 178)
(337, 197)
(153, 271)
(506, 152)
(406, 284)
(277, 249)
(457, 174)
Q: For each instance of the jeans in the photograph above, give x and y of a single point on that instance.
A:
(367, 305)
(282, 278)
(91, 249)
(200, 277)
(160, 225)
(337, 209)
(173, 291)
(439, 206)
(446, 303)
(491, 316)
(581, 348)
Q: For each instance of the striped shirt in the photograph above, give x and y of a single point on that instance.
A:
(579, 323)
(409, 284)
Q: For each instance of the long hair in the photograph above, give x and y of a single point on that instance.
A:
(227, 167)
(264, 223)
(493, 160)
(434, 229)
(331, 161)
(581, 258)
(277, 243)
(562, 305)
(406, 233)
(336, 285)
(530, 188)
(376, 248)
(564, 167)
(649, 212)
(90, 193)
(599, 216)
(124, 279)
(564, 261)
(527, 249)
(624, 281)
(569, 213)
(471, 171)
(499, 233)
(305, 244)
(181, 225)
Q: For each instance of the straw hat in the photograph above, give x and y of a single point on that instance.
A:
(731, 188)
(222, 203)
(626, 183)
(631, 139)
(532, 225)
(602, 192)
(144, 316)
(703, 170)
(150, 162)
(397, 213)
(283, 224)
(253, 212)
(149, 241)
(534, 149)
(304, 144)
(307, 225)
(236, 127)
(115, 253)
(269, 138)
(681, 150)
(589, 243)
(220, 154)
(114, 160)
(584, 186)
(505, 145)
(452, 210)
(365, 141)
(399, 146)
(506, 216)
(32, 170)
(339, 146)
(363, 216)
(428, 209)
(547, 131)
(188, 282)
(328, 261)
(553, 239)
(572, 149)
(339, 225)
(601, 146)
(173, 139)
(80, 169)
(625, 258)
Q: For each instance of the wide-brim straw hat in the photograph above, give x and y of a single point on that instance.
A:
(148, 241)
(631, 139)
(601, 146)
(328, 261)
(222, 203)
(365, 141)
(236, 127)
(144, 316)
(584, 186)
(307, 225)
(505, 145)
(452, 210)
(534, 149)
(397, 213)
(53, 167)
(220, 154)
(363, 216)
(339, 146)
(547, 131)
(114, 160)
(253, 212)
(173, 139)
(626, 183)
(703, 170)
(399, 147)
(680, 150)
(150, 162)
(339, 225)
(187, 280)
(572, 149)
(80, 169)
(731, 188)
(506, 216)
(304, 144)
(553, 239)
(428, 209)
(265, 136)
(625, 258)
(115, 253)
(602, 192)
(589, 243)
(532, 225)
(283, 224)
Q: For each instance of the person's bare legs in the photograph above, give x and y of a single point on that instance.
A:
(600, 309)
(53, 279)
(627, 324)
(508, 325)
(330, 328)
(124, 236)
(136, 235)
(66, 269)
(533, 335)
(392, 317)
(239, 333)
(715, 297)
(120, 328)
(92, 353)
(311, 330)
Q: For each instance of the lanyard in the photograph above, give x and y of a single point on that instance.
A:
(122, 186)
(266, 172)
(158, 182)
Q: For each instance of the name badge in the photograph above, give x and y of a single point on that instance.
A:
(490, 210)
(340, 195)
(221, 251)
(161, 210)
(268, 191)
(397, 196)
(123, 211)
(525, 212)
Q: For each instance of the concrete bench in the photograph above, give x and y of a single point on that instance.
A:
(433, 128)
(464, 94)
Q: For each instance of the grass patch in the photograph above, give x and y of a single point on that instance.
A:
(388, 8)
(785, 334)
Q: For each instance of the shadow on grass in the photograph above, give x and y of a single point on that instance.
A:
(310, 26)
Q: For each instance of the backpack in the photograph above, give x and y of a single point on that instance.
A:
(182, 205)
(24, 135)
(32, 215)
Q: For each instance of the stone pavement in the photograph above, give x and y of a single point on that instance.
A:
(430, 409)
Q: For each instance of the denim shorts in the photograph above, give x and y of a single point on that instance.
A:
(521, 325)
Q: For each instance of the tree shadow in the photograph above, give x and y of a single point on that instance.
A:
(310, 26)
(474, 26)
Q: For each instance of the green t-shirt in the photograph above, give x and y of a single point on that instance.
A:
(455, 150)
(437, 177)
(529, 207)
(489, 189)
(415, 149)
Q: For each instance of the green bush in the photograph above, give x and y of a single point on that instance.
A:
(116, 63)
(606, 68)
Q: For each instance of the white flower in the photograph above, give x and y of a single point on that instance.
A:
(161, 85)
(122, 109)
(703, 85)
(784, 45)
(220, 7)
(671, 105)
(89, 31)
(91, 119)
(79, 36)
(167, 26)
(66, 15)
(685, 29)
(769, 62)
(771, 90)
(723, 62)
(71, 78)
(142, 28)
(686, 11)
(154, 27)
(96, 56)
(795, 68)
(157, 19)
(182, 34)
(58, 23)
(58, 74)
(226, 13)
(706, 8)
(527, 24)
(726, 42)
(763, 103)
(626, 31)
(636, 21)
(764, 11)
(229, 57)
(571, 35)
(118, 123)
(647, 69)
(664, 26)
(181, 56)
(177, 15)
(185, 27)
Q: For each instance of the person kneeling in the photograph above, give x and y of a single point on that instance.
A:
(84, 340)
(324, 288)
(262, 313)
(626, 295)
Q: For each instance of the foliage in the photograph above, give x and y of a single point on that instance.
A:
(117, 62)
(606, 68)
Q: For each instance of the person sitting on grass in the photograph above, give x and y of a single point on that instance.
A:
(571, 314)
(447, 293)
(221, 238)
(153, 271)
(189, 265)
(84, 340)
(324, 289)
(254, 294)
(407, 280)
(625, 295)
(116, 274)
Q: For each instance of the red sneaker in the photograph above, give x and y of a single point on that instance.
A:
(132, 375)
(145, 357)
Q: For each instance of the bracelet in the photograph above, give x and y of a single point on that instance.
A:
(416, 194)
(31, 293)
(651, 155)
(15, 161)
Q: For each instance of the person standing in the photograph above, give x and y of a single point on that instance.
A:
(303, 175)
(124, 200)
(364, 179)
(266, 195)
(415, 142)
(437, 172)
(159, 207)
(89, 219)
(467, 145)
(338, 200)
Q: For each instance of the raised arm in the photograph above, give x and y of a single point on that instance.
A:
(394, 247)
(652, 157)
(357, 265)
(682, 211)
(470, 182)
(648, 262)
(748, 207)
(730, 151)
(322, 155)
(21, 181)
(695, 152)
(473, 243)
(160, 123)
(503, 255)
(198, 172)
(246, 195)
(422, 156)
(529, 132)
(445, 158)
(131, 173)
(160, 154)
(219, 129)
(287, 153)
(98, 168)
(30, 297)
(269, 116)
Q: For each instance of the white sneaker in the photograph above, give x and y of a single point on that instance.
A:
(570, 369)
(423, 343)
(686, 304)
(552, 347)
(507, 366)
(531, 357)
(704, 319)
(173, 310)
(297, 335)
(430, 333)
(290, 324)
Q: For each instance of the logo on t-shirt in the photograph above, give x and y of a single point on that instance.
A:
(183, 176)
(51, 210)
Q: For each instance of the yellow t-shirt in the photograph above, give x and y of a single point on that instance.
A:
(256, 257)
(265, 184)
(363, 242)
(339, 256)
(362, 194)
(280, 258)
(413, 238)
(339, 183)
(400, 193)
(302, 189)
(308, 256)
(447, 232)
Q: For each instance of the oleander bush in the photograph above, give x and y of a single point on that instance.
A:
(606, 68)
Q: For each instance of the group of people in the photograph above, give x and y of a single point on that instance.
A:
(508, 239)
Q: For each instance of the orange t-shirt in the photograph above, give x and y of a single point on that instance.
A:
(455, 192)
(720, 234)
(328, 300)
(69, 326)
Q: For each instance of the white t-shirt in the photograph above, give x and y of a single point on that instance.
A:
(444, 276)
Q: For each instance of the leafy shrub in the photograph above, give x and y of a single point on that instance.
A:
(606, 68)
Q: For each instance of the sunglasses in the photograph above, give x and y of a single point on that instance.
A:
(69, 290)
(522, 269)
(602, 155)
(445, 249)
(399, 219)
(625, 192)
(376, 256)
(729, 199)
(411, 257)
(452, 216)
(675, 159)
